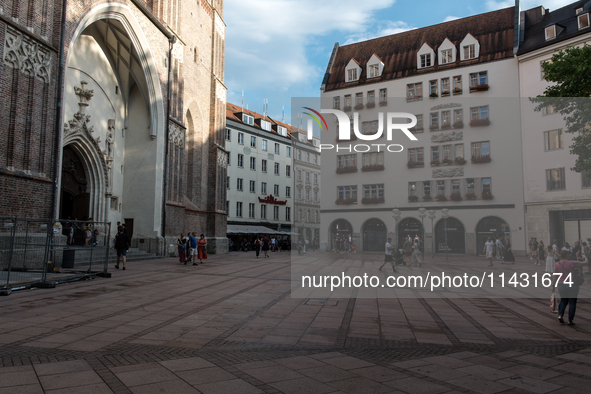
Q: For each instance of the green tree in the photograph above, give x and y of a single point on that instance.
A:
(570, 72)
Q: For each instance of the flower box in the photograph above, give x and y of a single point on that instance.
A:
(433, 127)
(441, 197)
(445, 93)
(447, 162)
(372, 200)
(486, 195)
(435, 163)
(470, 196)
(426, 198)
(456, 196)
(347, 108)
(433, 95)
(458, 125)
(345, 201)
(480, 159)
(415, 164)
(359, 106)
(383, 103)
(446, 126)
(414, 98)
(457, 91)
(479, 122)
(460, 161)
(371, 104)
(483, 87)
(346, 170)
(373, 167)
(413, 198)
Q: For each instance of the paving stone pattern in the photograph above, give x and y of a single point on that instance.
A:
(231, 326)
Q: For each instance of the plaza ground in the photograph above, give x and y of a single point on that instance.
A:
(231, 326)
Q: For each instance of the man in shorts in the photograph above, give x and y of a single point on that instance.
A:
(388, 257)
(121, 246)
(489, 250)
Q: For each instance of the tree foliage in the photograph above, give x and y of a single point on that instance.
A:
(570, 72)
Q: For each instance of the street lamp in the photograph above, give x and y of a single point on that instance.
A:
(445, 215)
(432, 217)
(422, 214)
(396, 214)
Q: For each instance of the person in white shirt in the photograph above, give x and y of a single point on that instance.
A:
(500, 247)
(489, 248)
(388, 257)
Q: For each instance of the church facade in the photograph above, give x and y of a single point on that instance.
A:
(115, 111)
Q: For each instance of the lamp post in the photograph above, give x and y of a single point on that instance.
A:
(445, 215)
(396, 215)
(422, 214)
(432, 217)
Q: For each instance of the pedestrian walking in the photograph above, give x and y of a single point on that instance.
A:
(193, 244)
(273, 244)
(306, 243)
(550, 259)
(416, 250)
(257, 245)
(489, 248)
(541, 252)
(87, 235)
(202, 249)
(532, 248)
(508, 256)
(182, 247)
(388, 256)
(121, 246)
(265, 248)
(408, 250)
(499, 248)
(568, 291)
(188, 255)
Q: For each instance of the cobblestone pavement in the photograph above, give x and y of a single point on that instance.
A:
(232, 326)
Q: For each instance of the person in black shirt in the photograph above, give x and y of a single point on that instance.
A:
(121, 245)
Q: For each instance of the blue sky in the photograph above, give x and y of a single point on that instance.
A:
(279, 49)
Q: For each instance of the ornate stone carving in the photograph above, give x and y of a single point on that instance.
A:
(110, 140)
(445, 106)
(176, 135)
(444, 137)
(25, 54)
(448, 172)
(177, 51)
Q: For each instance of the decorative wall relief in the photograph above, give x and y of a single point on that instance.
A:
(27, 55)
(448, 172)
(176, 135)
(445, 137)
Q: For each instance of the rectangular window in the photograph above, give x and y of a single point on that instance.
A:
(555, 179)
(299, 175)
(373, 191)
(345, 161)
(434, 154)
(277, 149)
(239, 184)
(446, 56)
(478, 79)
(315, 179)
(426, 188)
(253, 163)
(583, 21)
(434, 125)
(486, 185)
(445, 119)
(239, 209)
(445, 86)
(470, 185)
(347, 100)
(315, 159)
(307, 157)
(264, 145)
(458, 117)
(240, 160)
(480, 149)
(299, 155)
(307, 177)
(371, 96)
(458, 84)
(316, 195)
(253, 186)
(553, 140)
(358, 99)
(455, 185)
(263, 187)
(288, 171)
(263, 211)
(374, 70)
(426, 60)
(585, 179)
(276, 168)
(265, 125)
(347, 192)
(228, 135)
(412, 188)
(459, 151)
(550, 32)
(276, 190)
(287, 191)
(479, 113)
(299, 194)
(307, 195)
(336, 102)
(264, 165)
(247, 119)
(276, 212)
(433, 88)
(228, 183)
(241, 138)
(352, 74)
(373, 159)
(288, 151)
(253, 142)
(548, 110)
(282, 131)
(440, 188)
(287, 213)
(383, 96)
(447, 152)
(469, 51)
(419, 126)
(369, 128)
(229, 157)
(415, 155)
(251, 211)
(414, 91)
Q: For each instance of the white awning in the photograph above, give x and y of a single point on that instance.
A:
(248, 229)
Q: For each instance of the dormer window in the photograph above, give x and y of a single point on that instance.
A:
(247, 119)
(265, 125)
(375, 66)
(469, 52)
(583, 21)
(426, 60)
(353, 71)
(447, 52)
(470, 48)
(550, 32)
(352, 74)
(578, 11)
(425, 57)
(374, 70)
(282, 131)
(446, 56)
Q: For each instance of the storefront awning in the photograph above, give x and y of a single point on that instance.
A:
(247, 229)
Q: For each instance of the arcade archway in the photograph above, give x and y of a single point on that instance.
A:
(493, 227)
(409, 227)
(456, 236)
(374, 235)
(340, 227)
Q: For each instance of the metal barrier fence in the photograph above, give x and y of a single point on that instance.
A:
(45, 252)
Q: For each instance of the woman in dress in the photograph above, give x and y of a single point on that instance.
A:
(202, 248)
(180, 243)
(541, 252)
(508, 257)
(550, 260)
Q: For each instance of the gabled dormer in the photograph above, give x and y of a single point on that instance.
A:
(352, 71)
(425, 57)
(469, 48)
(375, 67)
(447, 52)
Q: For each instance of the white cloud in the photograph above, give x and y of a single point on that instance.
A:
(450, 18)
(492, 5)
(391, 27)
(266, 40)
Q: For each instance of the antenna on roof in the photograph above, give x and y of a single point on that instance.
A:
(283, 113)
(242, 106)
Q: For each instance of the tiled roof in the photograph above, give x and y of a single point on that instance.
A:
(398, 52)
(535, 37)
(233, 110)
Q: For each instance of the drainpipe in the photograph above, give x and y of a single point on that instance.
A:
(171, 41)
(58, 113)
